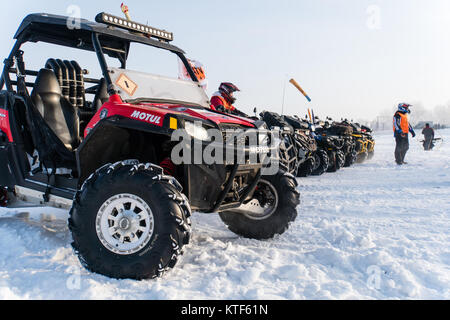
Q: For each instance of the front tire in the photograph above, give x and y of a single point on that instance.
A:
(270, 212)
(350, 159)
(322, 161)
(129, 221)
(340, 159)
(306, 168)
(288, 154)
(337, 161)
(362, 157)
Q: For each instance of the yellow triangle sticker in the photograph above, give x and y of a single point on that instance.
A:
(126, 84)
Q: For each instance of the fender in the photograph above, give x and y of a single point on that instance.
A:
(106, 142)
(115, 107)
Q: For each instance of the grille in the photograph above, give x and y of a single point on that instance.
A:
(234, 132)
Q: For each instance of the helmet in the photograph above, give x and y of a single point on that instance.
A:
(227, 89)
(404, 107)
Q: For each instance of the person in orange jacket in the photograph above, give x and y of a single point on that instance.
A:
(224, 99)
(401, 130)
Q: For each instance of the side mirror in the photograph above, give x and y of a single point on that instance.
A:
(255, 111)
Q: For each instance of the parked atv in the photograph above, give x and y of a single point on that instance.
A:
(344, 130)
(328, 140)
(365, 144)
(290, 156)
(306, 145)
(320, 161)
(367, 133)
(110, 159)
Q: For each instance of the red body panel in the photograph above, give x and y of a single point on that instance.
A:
(4, 124)
(155, 114)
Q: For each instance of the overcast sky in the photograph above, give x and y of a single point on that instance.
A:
(354, 58)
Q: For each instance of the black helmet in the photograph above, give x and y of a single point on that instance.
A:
(227, 89)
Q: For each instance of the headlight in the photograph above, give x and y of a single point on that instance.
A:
(196, 130)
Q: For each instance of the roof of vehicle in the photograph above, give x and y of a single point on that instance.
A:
(66, 31)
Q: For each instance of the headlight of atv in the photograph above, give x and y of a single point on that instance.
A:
(196, 130)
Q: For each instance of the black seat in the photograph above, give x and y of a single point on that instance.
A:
(60, 115)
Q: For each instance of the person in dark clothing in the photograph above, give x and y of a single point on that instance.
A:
(428, 132)
(401, 130)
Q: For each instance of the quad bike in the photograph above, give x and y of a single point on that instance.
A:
(362, 143)
(345, 130)
(365, 143)
(320, 161)
(328, 140)
(367, 133)
(290, 158)
(110, 159)
(306, 145)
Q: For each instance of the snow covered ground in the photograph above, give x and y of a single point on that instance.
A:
(374, 231)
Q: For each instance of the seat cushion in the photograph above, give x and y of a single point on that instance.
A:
(59, 114)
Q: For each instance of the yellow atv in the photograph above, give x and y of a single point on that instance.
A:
(365, 144)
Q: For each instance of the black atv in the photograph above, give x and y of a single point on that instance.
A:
(330, 141)
(105, 148)
(306, 145)
(290, 157)
(344, 130)
(318, 161)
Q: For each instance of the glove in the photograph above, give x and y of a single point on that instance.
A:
(221, 109)
(238, 113)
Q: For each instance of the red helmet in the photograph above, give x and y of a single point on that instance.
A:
(227, 89)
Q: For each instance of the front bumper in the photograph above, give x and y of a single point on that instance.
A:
(226, 184)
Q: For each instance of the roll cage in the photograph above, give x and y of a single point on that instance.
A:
(86, 35)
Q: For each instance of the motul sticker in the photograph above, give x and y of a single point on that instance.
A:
(144, 116)
(126, 84)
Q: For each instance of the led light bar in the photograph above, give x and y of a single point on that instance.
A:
(109, 19)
